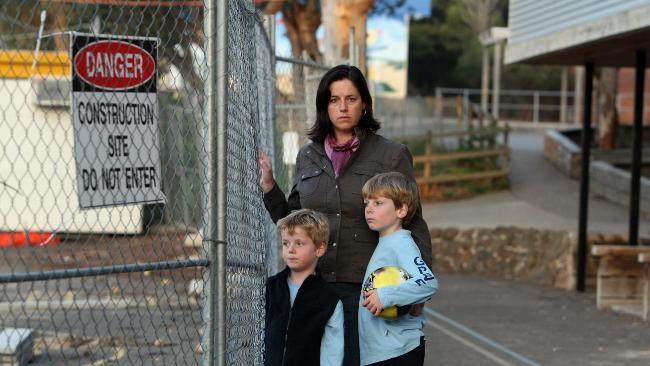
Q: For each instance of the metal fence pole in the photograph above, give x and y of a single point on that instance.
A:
(438, 105)
(536, 107)
(496, 80)
(485, 79)
(222, 123)
(209, 234)
(563, 95)
(216, 12)
(354, 60)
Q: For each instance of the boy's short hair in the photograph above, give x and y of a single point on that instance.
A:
(313, 222)
(397, 187)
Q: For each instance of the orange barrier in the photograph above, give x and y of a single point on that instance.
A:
(21, 238)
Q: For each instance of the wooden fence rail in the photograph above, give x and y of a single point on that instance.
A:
(476, 138)
(480, 143)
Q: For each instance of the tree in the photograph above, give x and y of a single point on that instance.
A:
(480, 14)
(444, 50)
(303, 17)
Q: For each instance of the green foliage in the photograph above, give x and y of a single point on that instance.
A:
(444, 51)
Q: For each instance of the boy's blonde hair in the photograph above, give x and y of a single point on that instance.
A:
(313, 222)
(396, 187)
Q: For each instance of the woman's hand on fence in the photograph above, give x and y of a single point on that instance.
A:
(266, 173)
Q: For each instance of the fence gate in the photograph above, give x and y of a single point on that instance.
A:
(125, 280)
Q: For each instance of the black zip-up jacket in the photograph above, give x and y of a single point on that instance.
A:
(292, 335)
(351, 242)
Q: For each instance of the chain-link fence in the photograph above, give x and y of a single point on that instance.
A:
(121, 280)
(297, 82)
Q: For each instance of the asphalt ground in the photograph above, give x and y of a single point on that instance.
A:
(480, 321)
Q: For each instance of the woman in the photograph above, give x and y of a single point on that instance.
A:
(344, 153)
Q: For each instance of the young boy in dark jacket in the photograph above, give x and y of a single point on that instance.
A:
(304, 316)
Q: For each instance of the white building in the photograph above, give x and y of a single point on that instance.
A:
(37, 165)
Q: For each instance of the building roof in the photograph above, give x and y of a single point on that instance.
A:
(17, 64)
(572, 32)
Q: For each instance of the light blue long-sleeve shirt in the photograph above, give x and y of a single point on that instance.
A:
(331, 346)
(382, 339)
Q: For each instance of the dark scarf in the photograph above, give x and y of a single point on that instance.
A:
(339, 154)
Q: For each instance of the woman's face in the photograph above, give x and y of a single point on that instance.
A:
(345, 106)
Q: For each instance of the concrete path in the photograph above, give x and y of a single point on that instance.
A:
(540, 197)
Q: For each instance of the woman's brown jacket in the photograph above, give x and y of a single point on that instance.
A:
(351, 242)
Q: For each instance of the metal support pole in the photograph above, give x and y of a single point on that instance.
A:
(485, 80)
(536, 107)
(439, 106)
(635, 184)
(563, 94)
(496, 82)
(221, 160)
(210, 283)
(578, 93)
(584, 178)
(215, 234)
(467, 114)
(352, 49)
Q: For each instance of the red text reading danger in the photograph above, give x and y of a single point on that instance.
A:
(114, 65)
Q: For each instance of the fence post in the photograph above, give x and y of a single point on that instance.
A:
(535, 107)
(459, 117)
(428, 150)
(438, 105)
(496, 80)
(466, 109)
(352, 49)
(563, 94)
(578, 94)
(208, 235)
(217, 57)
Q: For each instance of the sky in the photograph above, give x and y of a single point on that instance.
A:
(386, 35)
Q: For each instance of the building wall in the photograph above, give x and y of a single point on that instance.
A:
(37, 160)
(389, 78)
(625, 102)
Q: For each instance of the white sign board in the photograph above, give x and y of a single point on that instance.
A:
(115, 119)
(290, 147)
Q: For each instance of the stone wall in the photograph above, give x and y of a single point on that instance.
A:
(562, 152)
(541, 257)
(613, 184)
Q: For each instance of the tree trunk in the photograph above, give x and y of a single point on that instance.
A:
(607, 113)
(57, 21)
(350, 13)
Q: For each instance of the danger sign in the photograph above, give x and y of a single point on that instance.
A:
(115, 118)
(114, 65)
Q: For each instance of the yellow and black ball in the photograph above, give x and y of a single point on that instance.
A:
(388, 276)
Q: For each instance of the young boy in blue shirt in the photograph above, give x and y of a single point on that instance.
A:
(390, 200)
(304, 315)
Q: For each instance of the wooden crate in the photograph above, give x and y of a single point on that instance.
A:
(644, 258)
(620, 278)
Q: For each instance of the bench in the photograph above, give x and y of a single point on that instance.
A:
(620, 283)
(644, 258)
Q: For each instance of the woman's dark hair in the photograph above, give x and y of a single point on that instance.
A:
(323, 126)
